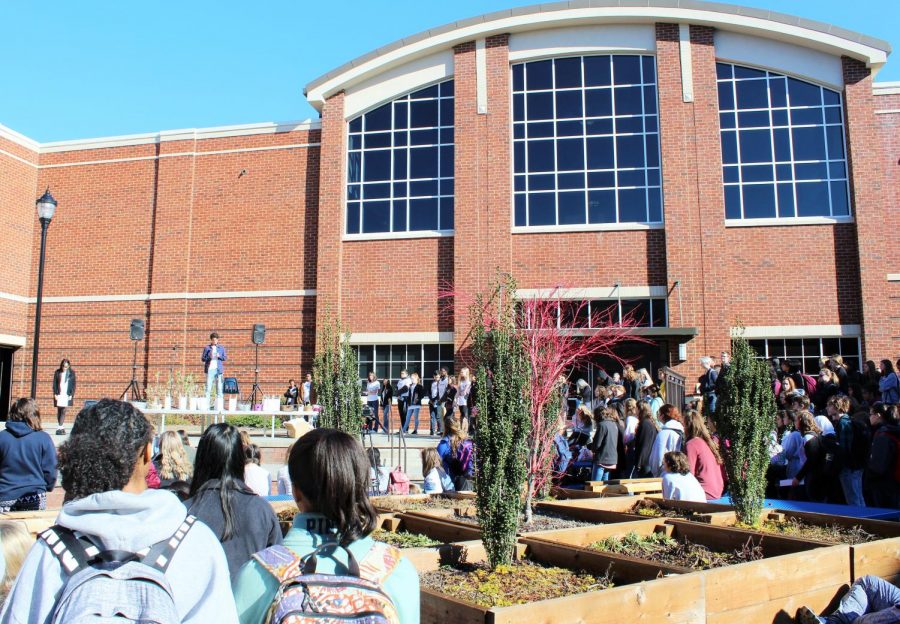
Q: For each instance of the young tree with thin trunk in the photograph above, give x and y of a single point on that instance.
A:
(336, 381)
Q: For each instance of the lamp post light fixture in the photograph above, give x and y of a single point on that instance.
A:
(46, 206)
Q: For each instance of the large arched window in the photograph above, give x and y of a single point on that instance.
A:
(400, 165)
(783, 152)
(586, 142)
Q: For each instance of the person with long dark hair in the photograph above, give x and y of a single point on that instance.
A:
(244, 522)
(63, 392)
(27, 460)
(889, 384)
(330, 477)
(104, 465)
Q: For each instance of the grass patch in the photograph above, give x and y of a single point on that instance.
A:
(404, 539)
(398, 503)
(833, 533)
(661, 548)
(519, 583)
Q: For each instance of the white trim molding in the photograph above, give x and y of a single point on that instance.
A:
(786, 221)
(580, 40)
(12, 340)
(231, 294)
(889, 111)
(596, 292)
(481, 88)
(16, 298)
(377, 236)
(893, 277)
(799, 331)
(886, 88)
(687, 63)
(760, 23)
(377, 338)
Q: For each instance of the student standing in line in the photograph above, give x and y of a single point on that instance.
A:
(330, 476)
(373, 388)
(386, 398)
(63, 392)
(415, 395)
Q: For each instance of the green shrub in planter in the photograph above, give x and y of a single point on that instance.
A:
(249, 420)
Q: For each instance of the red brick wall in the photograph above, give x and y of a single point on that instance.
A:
(18, 221)
(877, 216)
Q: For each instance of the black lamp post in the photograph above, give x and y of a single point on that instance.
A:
(46, 206)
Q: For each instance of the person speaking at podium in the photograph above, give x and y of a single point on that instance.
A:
(213, 356)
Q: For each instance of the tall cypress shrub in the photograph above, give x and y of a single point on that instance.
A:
(745, 418)
(504, 422)
(336, 381)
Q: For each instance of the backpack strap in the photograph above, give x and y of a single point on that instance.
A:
(284, 564)
(73, 551)
(280, 561)
(159, 555)
(379, 562)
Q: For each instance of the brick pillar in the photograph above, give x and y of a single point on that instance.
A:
(877, 221)
(332, 172)
(482, 216)
(692, 193)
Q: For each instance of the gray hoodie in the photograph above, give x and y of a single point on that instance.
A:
(198, 573)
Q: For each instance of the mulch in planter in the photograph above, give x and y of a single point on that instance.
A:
(404, 539)
(518, 583)
(399, 504)
(677, 551)
(834, 533)
(541, 520)
(650, 509)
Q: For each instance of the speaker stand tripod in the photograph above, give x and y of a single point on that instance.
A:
(133, 387)
(255, 392)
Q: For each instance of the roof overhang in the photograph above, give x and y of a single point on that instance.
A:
(767, 24)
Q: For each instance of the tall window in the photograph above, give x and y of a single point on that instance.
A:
(581, 314)
(807, 351)
(400, 164)
(586, 141)
(389, 360)
(782, 146)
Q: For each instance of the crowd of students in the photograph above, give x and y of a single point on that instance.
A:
(123, 548)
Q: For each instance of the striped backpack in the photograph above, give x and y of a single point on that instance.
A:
(305, 597)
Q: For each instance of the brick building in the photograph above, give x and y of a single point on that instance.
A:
(704, 165)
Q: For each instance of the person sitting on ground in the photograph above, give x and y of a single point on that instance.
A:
(457, 453)
(172, 462)
(329, 472)
(669, 438)
(436, 480)
(256, 477)
(871, 600)
(15, 541)
(677, 481)
(703, 455)
(244, 522)
(27, 460)
(103, 466)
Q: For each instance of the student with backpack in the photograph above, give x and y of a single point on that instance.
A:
(853, 449)
(328, 549)
(117, 547)
(457, 454)
(244, 522)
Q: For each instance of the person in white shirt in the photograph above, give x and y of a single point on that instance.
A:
(373, 388)
(63, 392)
(255, 476)
(306, 390)
(677, 481)
(670, 438)
(436, 480)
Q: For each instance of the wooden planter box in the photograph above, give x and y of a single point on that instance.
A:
(34, 521)
(795, 572)
(439, 527)
(636, 593)
(618, 509)
(625, 486)
(562, 493)
(398, 503)
(878, 558)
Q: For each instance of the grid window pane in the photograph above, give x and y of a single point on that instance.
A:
(419, 128)
(807, 351)
(388, 360)
(590, 123)
(784, 130)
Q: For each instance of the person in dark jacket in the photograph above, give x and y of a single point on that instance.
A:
(385, 399)
(244, 522)
(882, 487)
(817, 486)
(27, 460)
(291, 394)
(644, 437)
(63, 392)
(415, 394)
(605, 444)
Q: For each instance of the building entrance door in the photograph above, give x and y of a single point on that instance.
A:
(6, 367)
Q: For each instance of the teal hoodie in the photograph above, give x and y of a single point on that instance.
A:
(254, 588)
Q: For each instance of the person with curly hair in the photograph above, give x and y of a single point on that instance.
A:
(27, 460)
(172, 462)
(104, 464)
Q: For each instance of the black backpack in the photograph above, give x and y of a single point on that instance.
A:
(831, 464)
(856, 457)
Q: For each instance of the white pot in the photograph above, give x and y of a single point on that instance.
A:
(167, 402)
(220, 404)
(182, 403)
(232, 404)
(194, 401)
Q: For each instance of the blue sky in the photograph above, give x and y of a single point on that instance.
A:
(97, 68)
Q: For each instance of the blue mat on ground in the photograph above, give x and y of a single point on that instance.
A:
(279, 498)
(872, 513)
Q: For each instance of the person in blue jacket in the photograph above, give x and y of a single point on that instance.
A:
(27, 460)
(330, 477)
